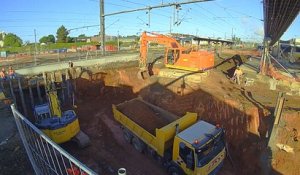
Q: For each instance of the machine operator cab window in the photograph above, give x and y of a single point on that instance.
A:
(187, 155)
(172, 56)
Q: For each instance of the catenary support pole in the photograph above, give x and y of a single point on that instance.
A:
(102, 26)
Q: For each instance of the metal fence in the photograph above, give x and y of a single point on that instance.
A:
(46, 157)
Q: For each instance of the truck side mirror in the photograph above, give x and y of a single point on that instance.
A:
(190, 161)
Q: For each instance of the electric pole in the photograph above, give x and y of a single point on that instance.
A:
(170, 24)
(102, 26)
(149, 18)
(118, 41)
(35, 48)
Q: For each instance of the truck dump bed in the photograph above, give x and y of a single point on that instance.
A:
(142, 114)
(155, 126)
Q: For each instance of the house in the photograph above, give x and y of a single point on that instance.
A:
(2, 36)
(97, 38)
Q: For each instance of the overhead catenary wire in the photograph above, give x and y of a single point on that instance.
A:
(238, 12)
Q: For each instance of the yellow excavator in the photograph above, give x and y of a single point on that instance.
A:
(57, 125)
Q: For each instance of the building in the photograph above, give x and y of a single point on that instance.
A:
(97, 38)
(2, 36)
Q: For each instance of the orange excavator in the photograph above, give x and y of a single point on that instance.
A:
(175, 56)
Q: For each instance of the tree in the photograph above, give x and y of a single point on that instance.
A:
(51, 38)
(47, 39)
(44, 39)
(81, 36)
(70, 39)
(62, 34)
(12, 40)
(236, 40)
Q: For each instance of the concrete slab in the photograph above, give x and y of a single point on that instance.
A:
(84, 63)
(251, 66)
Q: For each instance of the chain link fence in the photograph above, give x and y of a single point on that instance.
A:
(45, 156)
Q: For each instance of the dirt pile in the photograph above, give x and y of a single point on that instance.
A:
(143, 115)
(289, 135)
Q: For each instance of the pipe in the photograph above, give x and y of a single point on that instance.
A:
(122, 171)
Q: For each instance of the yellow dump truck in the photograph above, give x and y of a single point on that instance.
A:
(184, 145)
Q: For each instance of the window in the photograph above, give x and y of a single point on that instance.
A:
(187, 155)
(170, 57)
(206, 153)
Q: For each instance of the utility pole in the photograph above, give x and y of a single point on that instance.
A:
(102, 26)
(170, 24)
(149, 18)
(35, 48)
(118, 41)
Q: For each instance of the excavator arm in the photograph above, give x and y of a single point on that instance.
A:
(147, 37)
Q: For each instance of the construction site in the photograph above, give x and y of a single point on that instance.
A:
(169, 108)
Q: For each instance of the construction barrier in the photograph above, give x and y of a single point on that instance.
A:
(46, 157)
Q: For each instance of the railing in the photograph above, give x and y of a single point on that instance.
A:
(46, 157)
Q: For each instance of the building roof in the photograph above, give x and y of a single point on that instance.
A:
(213, 40)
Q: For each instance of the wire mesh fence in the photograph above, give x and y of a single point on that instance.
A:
(46, 157)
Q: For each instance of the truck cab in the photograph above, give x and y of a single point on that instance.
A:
(199, 149)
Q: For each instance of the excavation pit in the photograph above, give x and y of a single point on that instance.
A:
(244, 112)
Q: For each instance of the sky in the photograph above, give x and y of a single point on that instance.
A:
(219, 18)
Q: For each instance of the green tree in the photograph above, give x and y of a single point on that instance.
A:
(44, 39)
(62, 34)
(70, 39)
(81, 36)
(51, 38)
(47, 39)
(12, 40)
(236, 40)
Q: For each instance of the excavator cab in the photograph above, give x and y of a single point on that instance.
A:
(57, 125)
(171, 56)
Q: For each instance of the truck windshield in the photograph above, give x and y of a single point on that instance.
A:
(206, 153)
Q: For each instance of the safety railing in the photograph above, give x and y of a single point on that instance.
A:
(46, 157)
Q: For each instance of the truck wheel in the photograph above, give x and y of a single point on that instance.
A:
(127, 135)
(151, 152)
(138, 144)
(173, 170)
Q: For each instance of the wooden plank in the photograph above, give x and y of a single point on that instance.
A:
(22, 98)
(31, 96)
(39, 92)
(12, 92)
